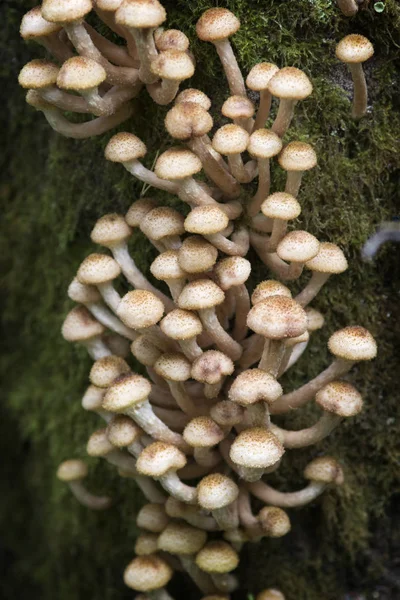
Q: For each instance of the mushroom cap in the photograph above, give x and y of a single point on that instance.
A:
(173, 366)
(329, 259)
(106, 370)
(340, 398)
(93, 398)
(99, 444)
(186, 120)
(196, 255)
(108, 5)
(281, 206)
(124, 147)
(80, 73)
(315, 320)
(230, 139)
(161, 222)
(212, 366)
(97, 269)
(33, 25)
(152, 517)
(194, 96)
(72, 470)
(38, 74)
(290, 83)
(82, 293)
(227, 413)
(122, 431)
(181, 325)
(264, 143)
(206, 220)
(274, 521)
(138, 210)
(269, 287)
(146, 544)
(254, 385)
(277, 318)
(216, 491)
(170, 39)
(297, 156)
(260, 76)
(354, 48)
(173, 65)
(298, 247)
(238, 107)
(203, 432)
(110, 230)
(181, 538)
(324, 469)
(216, 24)
(65, 11)
(232, 271)
(79, 325)
(139, 309)
(353, 343)
(165, 267)
(177, 163)
(199, 294)
(33, 98)
(217, 557)
(304, 337)
(128, 390)
(147, 573)
(159, 458)
(270, 594)
(140, 14)
(145, 352)
(256, 448)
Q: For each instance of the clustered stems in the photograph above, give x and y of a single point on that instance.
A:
(213, 353)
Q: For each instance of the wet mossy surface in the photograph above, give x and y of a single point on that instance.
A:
(53, 189)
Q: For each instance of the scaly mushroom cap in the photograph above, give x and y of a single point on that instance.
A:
(139, 309)
(138, 210)
(186, 120)
(353, 343)
(146, 544)
(212, 366)
(146, 352)
(97, 269)
(291, 83)
(99, 444)
(152, 517)
(330, 259)
(173, 65)
(298, 247)
(324, 469)
(109, 230)
(194, 96)
(217, 557)
(216, 491)
(268, 288)
(93, 398)
(159, 458)
(80, 73)
(128, 390)
(106, 370)
(260, 76)
(124, 147)
(33, 25)
(203, 432)
(140, 14)
(264, 143)
(82, 293)
(238, 107)
(354, 48)
(254, 385)
(232, 271)
(297, 156)
(230, 139)
(79, 325)
(181, 325)
(161, 222)
(122, 431)
(38, 74)
(65, 11)
(315, 320)
(216, 24)
(226, 413)
(281, 206)
(196, 255)
(256, 448)
(72, 470)
(270, 595)
(171, 39)
(173, 367)
(199, 294)
(274, 521)
(206, 220)
(177, 163)
(340, 398)
(108, 5)
(147, 573)
(277, 318)
(165, 266)
(181, 538)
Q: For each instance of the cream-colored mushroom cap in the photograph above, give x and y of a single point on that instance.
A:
(181, 325)
(324, 469)
(177, 163)
(254, 385)
(268, 288)
(65, 11)
(140, 14)
(216, 491)
(152, 517)
(340, 398)
(97, 269)
(82, 293)
(147, 573)
(226, 413)
(108, 5)
(260, 76)
(139, 309)
(196, 255)
(298, 247)
(216, 24)
(281, 206)
(33, 25)
(270, 594)
(274, 521)
(128, 390)
(264, 143)
(206, 220)
(315, 320)
(122, 431)
(173, 65)
(38, 74)
(166, 267)
(256, 448)
(146, 544)
(290, 82)
(277, 317)
(353, 343)
(199, 294)
(203, 432)
(106, 370)
(181, 538)
(297, 156)
(217, 557)
(330, 259)
(124, 147)
(79, 325)
(173, 366)
(33, 98)
(232, 271)
(238, 107)
(72, 470)
(161, 222)
(212, 366)
(93, 398)
(170, 39)
(138, 210)
(194, 96)
(354, 48)
(159, 458)
(145, 351)
(230, 139)
(186, 120)
(80, 73)
(109, 230)
(99, 444)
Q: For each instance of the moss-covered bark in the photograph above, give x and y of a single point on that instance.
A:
(52, 191)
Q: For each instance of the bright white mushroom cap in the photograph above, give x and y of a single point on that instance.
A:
(106, 370)
(290, 82)
(177, 163)
(254, 385)
(298, 247)
(97, 269)
(201, 293)
(297, 156)
(173, 65)
(147, 573)
(181, 325)
(238, 107)
(230, 139)
(232, 271)
(186, 120)
(256, 448)
(196, 255)
(82, 293)
(72, 470)
(340, 398)
(353, 343)
(33, 25)
(152, 517)
(217, 557)
(159, 458)
(354, 48)
(109, 230)
(324, 469)
(122, 431)
(65, 11)
(212, 366)
(181, 538)
(268, 288)
(140, 14)
(206, 220)
(216, 491)
(281, 206)
(329, 259)
(38, 74)
(124, 147)
(194, 96)
(260, 76)
(264, 143)
(138, 210)
(79, 325)
(277, 318)
(173, 366)
(216, 24)
(161, 222)
(80, 73)
(203, 432)
(129, 390)
(139, 309)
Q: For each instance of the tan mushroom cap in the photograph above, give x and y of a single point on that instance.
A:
(139, 309)
(206, 220)
(232, 271)
(146, 544)
(109, 230)
(212, 366)
(277, 317)
(270, 594)
(97, 269)
(216, 24)
(99, 444)
(217, 557)
(124, 147)
(238, 107)
(194, 96)
(230, 139)
(256, 448)
(72, 470)
(106, 370)
(315, 320)
(196, 255)
(270, 287)
(171, 39)
(226, 413)
(354, 48)
(33, 98)
(181, 325)
(199, 294)
(82, 293)
(33, 25)
(65, 11)
(260, 76)
(281, 206)
(353, 343)
(147, 573)
(165, 266)
(216, 491)
(340, 398)
(297, 156)
(38, 74)
(173, 65)
(108, 5)
(129, 390)
(80, 73)
(173, 366)
(140, 14)
(152, 517)
(324, 469)
(122, 431)
(159, 458)
(181, 538)
(146, 352)
(330, 259)
(203, 432)
(79, 325)
(274, 521)
(290, 82)
(186, 120)
(138, 210)
(177, 163)
(264, 143)
(93, 398)
(254, 385)
(298, 247)
(162, 221)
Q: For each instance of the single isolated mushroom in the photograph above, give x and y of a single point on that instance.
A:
(217, 494)
(99, 446)
(289, 85)
(73, 472)
(254, 450)
(213, 223)
(218, 558)
(196, 255)
(258, 80)
(170, 39)
(146, 544)
(263, 145)
(296, 158)
(203, 434)
(354, 49)
(79, 326)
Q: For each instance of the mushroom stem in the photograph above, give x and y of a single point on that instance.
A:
(146, 50)
(227, 517)
(309, 436)
(242, 309)
(183, 399)
(269, 495)
(149, 178)
(247, 518)
(293, 182)
(284, 116)
(312, 288)
(190, 348)
(191, 192)
(96, 348)
(179, 490)
(201, 579)
(219, 336)
(115, 54)
(150, 490)
(278, 232)
(175, 419)
(253, 349)
(56, 47)
(272, 357)
(109, 294)
(360, 98)
(243, 173)
(237, 246)
(264, 182)
(86, 498)
(293, 357)
(263, 110)
(231, 67)
(109, 320)
(64, 100)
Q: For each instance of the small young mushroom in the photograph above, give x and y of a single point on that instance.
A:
(218, 558)
(142, 310)
(348, 7)
(145, 351)
(255, 450)
(163, 225)
(195, 96)
(271, 521)
(35, 27)
(146, 544)
(267, 288)
(123, 432)
(258, 80)
(263, 145)
(183, 326)
(99, 446)
(107, 369)
(138, 210)
(255, 390)
(149, 574)
(38, 74)
(175, 369)
(100, 270)
(73, 472)
(165, 267)
(152, 517)
(84, 76)
(240, 110)
(211, 368)
(289, 85)
(211, 222)
(217, 494)
(80, 326)
(92, 400)
(172, 67)
(196, 255)
(231, 274)
(354, 49)
(297, 248)
(170, 39)
(281, 208)
(203, 434)
(231, 140)
(296, 158)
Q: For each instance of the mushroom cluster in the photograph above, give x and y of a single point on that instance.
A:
(195, 429)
